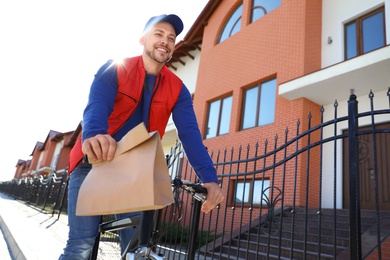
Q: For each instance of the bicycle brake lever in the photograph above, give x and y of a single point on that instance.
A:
(200, 197)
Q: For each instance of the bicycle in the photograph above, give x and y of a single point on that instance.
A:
(147, 235)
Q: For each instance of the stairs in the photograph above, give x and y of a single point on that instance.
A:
(293, 235)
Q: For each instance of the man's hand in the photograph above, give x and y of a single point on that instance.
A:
(214, 196)
(99, 148)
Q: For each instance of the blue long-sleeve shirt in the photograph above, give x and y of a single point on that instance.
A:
(101, 104)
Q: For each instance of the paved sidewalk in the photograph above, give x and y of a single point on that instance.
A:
(29, 232)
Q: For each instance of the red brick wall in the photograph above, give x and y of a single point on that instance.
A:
(272, 46)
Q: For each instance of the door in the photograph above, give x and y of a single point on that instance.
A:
(367, 160)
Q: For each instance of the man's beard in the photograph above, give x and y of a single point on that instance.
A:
(157, 59)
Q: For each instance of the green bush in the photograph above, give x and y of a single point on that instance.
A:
(176, 234)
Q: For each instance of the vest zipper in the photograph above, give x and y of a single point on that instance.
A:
(156, 85)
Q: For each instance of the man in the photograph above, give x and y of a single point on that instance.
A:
(124, 94)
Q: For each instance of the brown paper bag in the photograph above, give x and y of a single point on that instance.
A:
(137, 179)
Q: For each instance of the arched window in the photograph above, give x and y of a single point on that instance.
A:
(263, 7)
(233, 25)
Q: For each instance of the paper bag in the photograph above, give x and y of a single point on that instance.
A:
(137, 179)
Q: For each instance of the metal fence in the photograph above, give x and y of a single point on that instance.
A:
(276, 195)
(321, 193)
(48, 193)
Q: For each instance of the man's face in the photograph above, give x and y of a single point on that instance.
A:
(159, 42)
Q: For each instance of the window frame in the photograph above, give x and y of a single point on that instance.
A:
(227, 22)
(359, 33)
(259, 86)
(233, 194)
(221, 99)
(253, 7)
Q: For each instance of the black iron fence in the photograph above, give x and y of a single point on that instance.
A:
(319, 193)
(47, 193)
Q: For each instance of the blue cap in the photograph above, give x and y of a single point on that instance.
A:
(172, 19)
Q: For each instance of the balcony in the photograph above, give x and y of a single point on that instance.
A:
(362, 73)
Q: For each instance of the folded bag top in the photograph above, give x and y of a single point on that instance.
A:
(137, 179)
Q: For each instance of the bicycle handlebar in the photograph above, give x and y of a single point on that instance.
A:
(195, 189)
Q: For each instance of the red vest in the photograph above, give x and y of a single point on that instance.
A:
(131, 76)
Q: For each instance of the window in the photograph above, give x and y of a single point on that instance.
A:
(42, 153)
(233, 25)
(219, 117)
(259, 105)
(365, 34)
(56, 154)
(263, 7)
(251, 192)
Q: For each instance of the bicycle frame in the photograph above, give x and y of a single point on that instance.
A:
(145, 231)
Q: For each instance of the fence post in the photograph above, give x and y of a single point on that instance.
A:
(354, 183)
(194, 230)
(64, 196)
(48, 190)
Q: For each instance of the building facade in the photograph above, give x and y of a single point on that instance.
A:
(263, 65)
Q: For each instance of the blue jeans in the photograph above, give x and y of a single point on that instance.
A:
(84, 229)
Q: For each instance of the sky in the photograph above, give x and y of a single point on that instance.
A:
(49, 53)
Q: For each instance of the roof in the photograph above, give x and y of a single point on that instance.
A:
(193, 39)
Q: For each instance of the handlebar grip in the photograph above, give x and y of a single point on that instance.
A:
(200, 189)
(196, 189)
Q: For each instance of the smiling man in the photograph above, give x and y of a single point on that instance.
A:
(123, 95)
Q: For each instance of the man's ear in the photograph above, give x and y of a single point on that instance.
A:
(142, 40)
